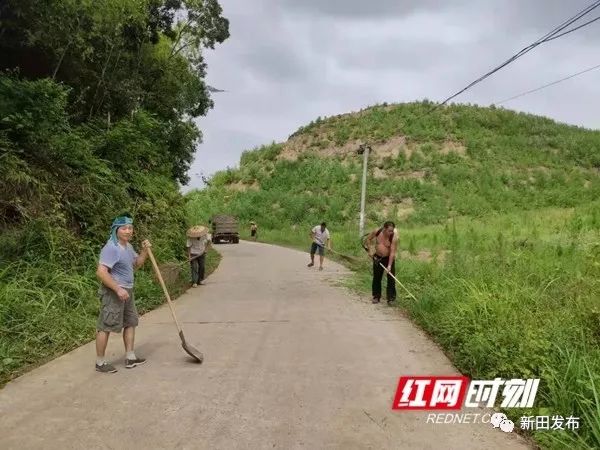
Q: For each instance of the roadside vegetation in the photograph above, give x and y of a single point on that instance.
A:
(499, 221)
(97, 101)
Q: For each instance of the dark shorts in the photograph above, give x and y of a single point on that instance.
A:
(316, 248)
(116, 314)
(253, 233)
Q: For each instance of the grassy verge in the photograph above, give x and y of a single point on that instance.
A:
(516, 296)
(500, 234)
(48, 309)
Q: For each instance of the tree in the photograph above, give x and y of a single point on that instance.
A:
(120, 58)
(112, 53)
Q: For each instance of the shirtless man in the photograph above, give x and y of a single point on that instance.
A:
(386, 244)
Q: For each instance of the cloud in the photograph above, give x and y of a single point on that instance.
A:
(362, 9)
(288, 62)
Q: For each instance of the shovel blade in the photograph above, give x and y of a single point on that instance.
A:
(190, 350)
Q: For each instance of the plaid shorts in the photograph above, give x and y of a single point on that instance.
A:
(116, 314)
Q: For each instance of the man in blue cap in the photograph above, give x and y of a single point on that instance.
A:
(117, 262)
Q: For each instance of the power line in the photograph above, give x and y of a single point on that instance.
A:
(573, 29)
(568, 22)
(547, 85)
(547, 37)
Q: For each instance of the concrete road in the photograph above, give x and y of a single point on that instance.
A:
(291, 362)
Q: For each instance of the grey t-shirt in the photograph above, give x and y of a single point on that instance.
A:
(120, 261)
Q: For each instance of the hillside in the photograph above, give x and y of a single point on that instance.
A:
(462, 161)
(499, 222)
(97, 101)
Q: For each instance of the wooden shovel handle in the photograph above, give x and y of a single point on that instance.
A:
(398, 281)
(164, 287)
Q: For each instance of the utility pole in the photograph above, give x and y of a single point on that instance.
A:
(364, 150)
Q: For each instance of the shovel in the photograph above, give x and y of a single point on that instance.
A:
(347, 257)
(194, 353)
(397, 281)
(187, 261)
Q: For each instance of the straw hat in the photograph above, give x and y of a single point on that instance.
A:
(197, 231)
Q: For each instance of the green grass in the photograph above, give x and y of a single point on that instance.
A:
(63, 180)
(511, 287)
(509, 301)
(48, 308)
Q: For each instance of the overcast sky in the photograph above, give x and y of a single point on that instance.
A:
(289, 61)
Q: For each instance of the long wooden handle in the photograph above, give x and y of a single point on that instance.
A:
(162, 283)
(351, 258)
(397, 281)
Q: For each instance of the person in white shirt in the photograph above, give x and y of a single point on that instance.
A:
(196, 248)
(320, 238)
